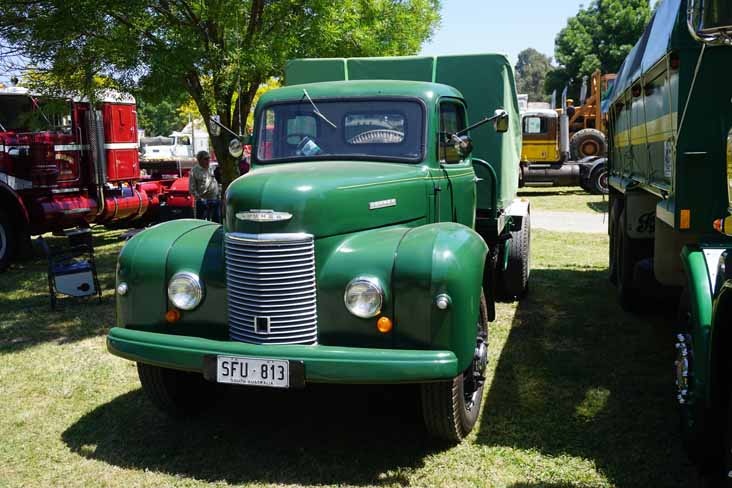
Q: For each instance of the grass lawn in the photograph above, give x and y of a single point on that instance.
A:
(580, 395)
(564, 199)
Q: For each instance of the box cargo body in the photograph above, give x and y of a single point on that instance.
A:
(490, 86)
(682, 163)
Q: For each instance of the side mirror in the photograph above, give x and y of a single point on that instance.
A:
(236, 148)
(500, 122)
(214, 126)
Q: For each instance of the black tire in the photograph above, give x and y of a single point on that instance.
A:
(613, 225)
(8, 241)
(176, 393)
(515, 278)
(451, 408)
(625, 259)
(599, 181)
(587, 142)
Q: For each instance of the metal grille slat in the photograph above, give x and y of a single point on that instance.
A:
(271, 276)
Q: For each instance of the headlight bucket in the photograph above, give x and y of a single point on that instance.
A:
(364, 297)
(185, 290)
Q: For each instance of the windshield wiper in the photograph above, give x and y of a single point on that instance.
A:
(317, 111)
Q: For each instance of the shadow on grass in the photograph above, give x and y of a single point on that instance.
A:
(326, 434)
(579, 377)
(26, 318)
(600, 207)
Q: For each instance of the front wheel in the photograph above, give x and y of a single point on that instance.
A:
(176, 393)
(599, 181)
(451, 408)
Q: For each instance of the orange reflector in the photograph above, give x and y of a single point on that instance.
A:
(384, 325)
(172, 316)
(685, 219)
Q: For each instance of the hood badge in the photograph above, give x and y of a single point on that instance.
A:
(391, 202)
(261, 215)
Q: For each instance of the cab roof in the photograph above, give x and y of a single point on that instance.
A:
(426, 91)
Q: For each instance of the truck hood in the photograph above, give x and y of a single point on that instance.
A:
(328, 198)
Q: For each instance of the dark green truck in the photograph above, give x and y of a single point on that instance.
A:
(366, 245)
(670, 163)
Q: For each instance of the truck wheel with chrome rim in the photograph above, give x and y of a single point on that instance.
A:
(176, 393)
(7, 241)
(451, 408)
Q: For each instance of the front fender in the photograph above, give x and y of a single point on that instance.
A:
(150, 258)
(700, 310)
(431, 260)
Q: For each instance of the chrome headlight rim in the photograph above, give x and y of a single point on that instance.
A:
(196, 286)
(373, 284)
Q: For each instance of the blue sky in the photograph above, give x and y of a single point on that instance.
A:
(505, 26)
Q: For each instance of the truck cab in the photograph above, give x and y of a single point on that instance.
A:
(349, 253)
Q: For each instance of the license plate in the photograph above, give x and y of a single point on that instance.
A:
(237, 370)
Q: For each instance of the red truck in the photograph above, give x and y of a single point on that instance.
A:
(68, 162)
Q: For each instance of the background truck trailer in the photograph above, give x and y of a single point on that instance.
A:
(67, 163)
(501, 219)
(670, 160)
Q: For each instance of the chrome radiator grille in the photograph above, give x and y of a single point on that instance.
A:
(271, 288)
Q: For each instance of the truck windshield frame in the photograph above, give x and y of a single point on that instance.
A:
(301, 136)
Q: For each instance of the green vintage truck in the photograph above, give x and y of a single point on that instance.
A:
(670, 166)
(366, 245)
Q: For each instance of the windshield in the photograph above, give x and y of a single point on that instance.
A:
(375, 129)
(22, 113)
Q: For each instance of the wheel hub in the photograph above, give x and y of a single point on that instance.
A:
(589, 148)
(474, 377)
(683, 368)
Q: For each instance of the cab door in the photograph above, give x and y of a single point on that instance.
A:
(454, 181)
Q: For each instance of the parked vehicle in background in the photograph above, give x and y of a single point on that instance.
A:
(670, 132)
(366, 245)
(567, 147)
(67, 162)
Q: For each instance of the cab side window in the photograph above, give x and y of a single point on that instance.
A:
(452, 120)
(535, 125)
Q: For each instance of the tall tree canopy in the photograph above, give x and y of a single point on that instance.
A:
(218, 51)
(599, 36)
(531, 70)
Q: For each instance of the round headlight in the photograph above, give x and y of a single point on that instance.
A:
(185, 290)
(364, 297)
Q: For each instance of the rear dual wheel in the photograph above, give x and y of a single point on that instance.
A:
(451, 408)
(514, 280)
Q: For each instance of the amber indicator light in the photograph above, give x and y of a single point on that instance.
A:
(384, 325)
(172, 316)
(685, 219)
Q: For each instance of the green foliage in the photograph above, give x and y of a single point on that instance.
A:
(600, 36)
(531, 70)
(209, 49)
(160, 119)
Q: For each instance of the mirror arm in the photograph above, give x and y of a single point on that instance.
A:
(478, 124)
(225, 128)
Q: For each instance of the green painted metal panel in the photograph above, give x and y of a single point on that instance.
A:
(330, 69)
(323, 364)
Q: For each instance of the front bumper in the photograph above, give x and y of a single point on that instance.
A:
(323, 364)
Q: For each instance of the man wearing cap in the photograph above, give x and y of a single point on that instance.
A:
(205, 189)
